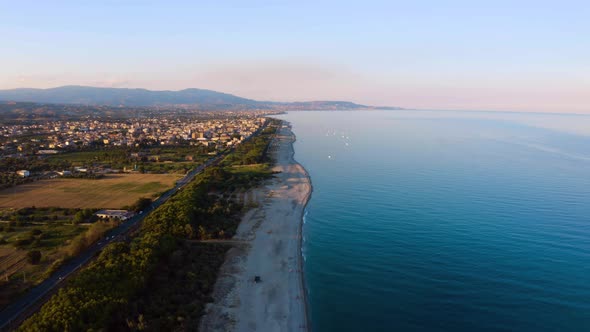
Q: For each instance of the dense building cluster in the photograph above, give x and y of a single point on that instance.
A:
(55, 136)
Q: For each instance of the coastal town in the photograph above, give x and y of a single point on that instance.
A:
(19, 140)
(161, 143)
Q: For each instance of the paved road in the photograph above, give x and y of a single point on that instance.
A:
(12, 312)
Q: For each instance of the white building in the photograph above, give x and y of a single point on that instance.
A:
(115, 214)
(24, 173)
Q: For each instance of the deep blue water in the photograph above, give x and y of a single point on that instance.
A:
(446, 221)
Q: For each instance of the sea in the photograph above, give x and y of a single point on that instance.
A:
(446, 220)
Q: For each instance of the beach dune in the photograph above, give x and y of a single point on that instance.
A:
(261, 287)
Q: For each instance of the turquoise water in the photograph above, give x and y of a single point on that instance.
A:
(446, 221)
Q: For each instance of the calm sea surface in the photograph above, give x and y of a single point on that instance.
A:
(446, 221)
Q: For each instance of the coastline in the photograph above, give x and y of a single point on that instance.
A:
(300, 249)
(267, 244)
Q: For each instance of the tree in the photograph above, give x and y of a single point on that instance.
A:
(87, 213)
(188, 229)
(141, 204)
(79, 217)
(203, 233)
(34, 257)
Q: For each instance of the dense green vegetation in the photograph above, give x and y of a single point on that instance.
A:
(162, 278)
(178, 290)
(152, 159)
(252, 153)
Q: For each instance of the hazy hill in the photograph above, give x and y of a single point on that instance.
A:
(122, 97)
(194, 98)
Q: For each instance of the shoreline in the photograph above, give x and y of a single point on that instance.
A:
(268, 245)
(300, 250)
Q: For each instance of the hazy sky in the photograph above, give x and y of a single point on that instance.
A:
(504, 55)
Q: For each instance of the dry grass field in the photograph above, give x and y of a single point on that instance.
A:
(112, 191)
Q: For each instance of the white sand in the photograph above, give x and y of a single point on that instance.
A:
(267, 244)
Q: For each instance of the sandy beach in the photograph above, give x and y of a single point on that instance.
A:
(268, 245)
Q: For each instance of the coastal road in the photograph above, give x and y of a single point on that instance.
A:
(13, 312)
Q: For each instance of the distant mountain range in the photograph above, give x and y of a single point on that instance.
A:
(189, 98)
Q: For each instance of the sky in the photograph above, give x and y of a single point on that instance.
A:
(516, 55)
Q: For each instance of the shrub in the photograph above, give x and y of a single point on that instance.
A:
(34, 257)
